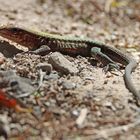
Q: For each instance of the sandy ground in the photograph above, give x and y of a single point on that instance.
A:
(111, 110)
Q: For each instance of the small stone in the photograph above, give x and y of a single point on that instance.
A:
(20, 85)
(2, 58)
(75, 113)
(62, 64)
(98, 113)
(45, 67)
(68, 85)
(53, 76)
(109, 105)
(81, 118)
(37, 111)
(130, 50)
(4, 127)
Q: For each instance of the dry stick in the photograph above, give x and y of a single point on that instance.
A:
(42, 74)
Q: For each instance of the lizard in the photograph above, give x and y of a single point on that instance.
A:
(38, 41)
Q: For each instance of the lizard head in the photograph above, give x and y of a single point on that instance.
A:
(18, 34)
(10, 32)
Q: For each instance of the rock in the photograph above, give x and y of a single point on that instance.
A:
(81, 118)
(2, 58)
(53, 76)
(75, 113)
(60, 63)
(4, 127)
(45, 67)
(68, 85)
(21, 86)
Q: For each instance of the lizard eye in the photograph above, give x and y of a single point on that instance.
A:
(14, 29)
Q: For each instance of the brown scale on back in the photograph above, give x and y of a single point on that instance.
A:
(69, 47)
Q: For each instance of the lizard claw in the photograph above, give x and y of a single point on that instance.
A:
(111, 67)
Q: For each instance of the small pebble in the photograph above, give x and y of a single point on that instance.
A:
(2, 58)
(68, 85)
(53, 76)
(45, 67)
(75, 113)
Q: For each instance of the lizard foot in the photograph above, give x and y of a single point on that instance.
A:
(111, 67)
(106, 60)
(42, 50)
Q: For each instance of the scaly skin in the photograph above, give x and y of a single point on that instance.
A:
(72, 46)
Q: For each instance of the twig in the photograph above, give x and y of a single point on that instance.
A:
(80, 120)
(41, 74)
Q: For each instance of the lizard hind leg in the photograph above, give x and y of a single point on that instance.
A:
(107, 62)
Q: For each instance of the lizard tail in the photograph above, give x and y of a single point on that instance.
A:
(127, 78)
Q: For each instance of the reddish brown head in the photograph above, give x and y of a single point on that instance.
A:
(10, 32)
(19, 35)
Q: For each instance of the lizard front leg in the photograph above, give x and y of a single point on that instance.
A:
(110, 64)
(42, 50)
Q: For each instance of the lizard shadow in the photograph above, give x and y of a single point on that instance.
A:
(8, 50)
(96, 63)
